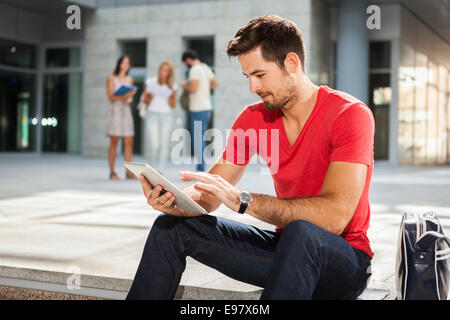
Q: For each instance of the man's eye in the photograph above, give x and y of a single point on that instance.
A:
(260, 75)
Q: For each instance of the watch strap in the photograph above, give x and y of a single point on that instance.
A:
(243, 207)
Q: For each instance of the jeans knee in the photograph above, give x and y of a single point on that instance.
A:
(164, 221)
(166, 230)
(301, 231)
(298, 226)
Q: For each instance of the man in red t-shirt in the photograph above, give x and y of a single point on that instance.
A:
(318, 145)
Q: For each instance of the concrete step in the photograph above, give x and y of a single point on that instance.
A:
(32, 284)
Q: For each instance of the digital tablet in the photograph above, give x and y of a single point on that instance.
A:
(182, 200)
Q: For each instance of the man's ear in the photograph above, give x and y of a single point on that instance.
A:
(292, 63)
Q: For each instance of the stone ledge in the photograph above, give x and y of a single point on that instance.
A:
(25, 284)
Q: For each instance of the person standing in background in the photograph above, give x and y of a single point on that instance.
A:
(161, 93)
(200, 82)
(120, 121)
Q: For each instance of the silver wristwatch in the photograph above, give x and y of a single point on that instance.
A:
(246, 198)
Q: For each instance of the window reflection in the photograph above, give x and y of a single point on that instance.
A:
(380, 55)
(380, 95)
(432, 125)
(17, 111)
(420, 114)
(448, 117)
(380, 99)
(63, 57)
(17, 54)
(61, 118)
(423, 109)
(406, 106)
(442, 128)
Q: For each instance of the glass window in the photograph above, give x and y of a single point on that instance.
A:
(137, 51)
(140, 135)
(432, 125)
(17, 112)
(448, 83)
(380, 96)
(420, 110)
(204, 48)
(442, 78)
(448, 124)
(442, 128)
(406, 106)
(61, 117)
(17, 54)
(432, 73)
(62, 57)
(380, 55)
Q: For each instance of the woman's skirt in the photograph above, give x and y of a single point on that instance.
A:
(120, 121)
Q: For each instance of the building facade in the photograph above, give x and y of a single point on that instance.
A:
(53, 80)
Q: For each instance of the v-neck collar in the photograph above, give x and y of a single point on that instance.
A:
(283, 136)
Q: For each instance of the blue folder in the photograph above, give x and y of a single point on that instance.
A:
(124, 89)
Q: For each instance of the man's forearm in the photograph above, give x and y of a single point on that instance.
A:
(189, 88)
(323, 211)
(186, 87)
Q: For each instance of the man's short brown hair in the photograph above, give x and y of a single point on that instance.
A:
(276, 36)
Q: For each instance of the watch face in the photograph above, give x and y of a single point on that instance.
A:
(245, 197)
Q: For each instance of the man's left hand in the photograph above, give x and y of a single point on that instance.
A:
(214, 185)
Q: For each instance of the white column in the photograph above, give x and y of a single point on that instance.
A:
(352, 69)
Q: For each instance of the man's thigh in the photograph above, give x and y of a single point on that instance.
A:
(342, 279)
(343, 271)
(242, 252)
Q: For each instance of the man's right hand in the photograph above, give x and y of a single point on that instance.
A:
(163, 202)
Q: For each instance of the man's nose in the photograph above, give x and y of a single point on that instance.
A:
(255, 86)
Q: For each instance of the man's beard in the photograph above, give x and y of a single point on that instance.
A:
(272, 106)
(286, 101)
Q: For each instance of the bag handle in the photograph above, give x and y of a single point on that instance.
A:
(429, 237)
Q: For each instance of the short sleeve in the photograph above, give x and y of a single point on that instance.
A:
(209, 73)
(352, 135)
(174, 87)
(195, 73)
(242, 141)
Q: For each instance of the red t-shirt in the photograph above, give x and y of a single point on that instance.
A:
(339, 128)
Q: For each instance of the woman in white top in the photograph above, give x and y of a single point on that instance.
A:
(120, 121)
(161, 92)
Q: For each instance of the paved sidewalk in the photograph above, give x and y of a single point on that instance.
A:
(60, 212)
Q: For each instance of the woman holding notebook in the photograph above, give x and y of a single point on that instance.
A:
(120, 121)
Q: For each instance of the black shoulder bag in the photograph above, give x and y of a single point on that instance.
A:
(422, 269)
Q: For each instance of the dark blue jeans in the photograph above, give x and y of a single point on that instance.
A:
(302, 262)
(197, 132)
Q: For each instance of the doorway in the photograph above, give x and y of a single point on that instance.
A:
(204, 47)
(380, 95)
(61, 115)
(18, 118)
(136, 50)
